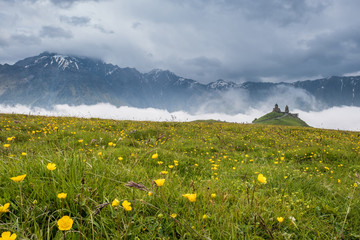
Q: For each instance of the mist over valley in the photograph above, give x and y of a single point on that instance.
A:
(61, 85)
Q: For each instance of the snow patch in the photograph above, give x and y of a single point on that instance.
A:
(112, 71)
(64, 62)
(221, 84)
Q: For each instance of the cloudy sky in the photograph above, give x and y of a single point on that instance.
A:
(236, 40)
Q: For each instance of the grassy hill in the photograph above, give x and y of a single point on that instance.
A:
(171, 180)
(276, 118)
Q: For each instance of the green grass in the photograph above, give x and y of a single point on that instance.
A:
(283, 119)
(269, 116)
(311, 180)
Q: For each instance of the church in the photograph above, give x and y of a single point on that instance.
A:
(278, 110)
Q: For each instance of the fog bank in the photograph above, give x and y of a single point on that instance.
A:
(342, 118)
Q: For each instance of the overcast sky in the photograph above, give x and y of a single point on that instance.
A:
(236, 40)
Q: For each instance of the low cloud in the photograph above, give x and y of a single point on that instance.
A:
(230, 102)
(263, 98)
(291, 96)
(342, 118)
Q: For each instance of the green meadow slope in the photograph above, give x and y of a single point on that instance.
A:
(275, 118)
(108, 179)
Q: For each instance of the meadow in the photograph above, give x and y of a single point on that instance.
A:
(73, 178)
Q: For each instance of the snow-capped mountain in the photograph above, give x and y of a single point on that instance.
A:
(222, 85)
(52, 78)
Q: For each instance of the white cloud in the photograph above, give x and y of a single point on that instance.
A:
(342, 118)
(352, 74)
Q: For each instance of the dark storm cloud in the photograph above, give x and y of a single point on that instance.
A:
(279, 11)
(69, 3)
(102, 29)
(55, 32)
(84, 21)
(327, 54)
(336, 48)
(26, 40)
(76, 21)
(203, 66)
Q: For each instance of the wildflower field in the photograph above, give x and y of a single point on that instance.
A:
(72, 178)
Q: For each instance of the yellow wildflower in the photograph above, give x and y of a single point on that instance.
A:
(5, 208)
(171, 166)
(80, 140)
(6, 145)
(159, 182)
(8, 236)
(150, 194)
(261, 178)
(65, 223)
(164, 172)
(127, 205)
(213, 195)
(190, 197)
(173, 215)
(280, 219)
(18, 178)
(115, 203)
(120, 158)
(23, 153)
(62, 195)
(51, 166)
(155, 156)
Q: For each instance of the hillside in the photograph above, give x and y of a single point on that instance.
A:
(171, 180)
(280, 118)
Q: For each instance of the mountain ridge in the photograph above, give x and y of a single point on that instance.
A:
(52, 78)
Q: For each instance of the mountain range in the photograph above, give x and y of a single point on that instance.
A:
(50, 78)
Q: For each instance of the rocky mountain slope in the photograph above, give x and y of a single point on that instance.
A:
(51, 78)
